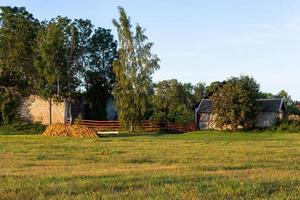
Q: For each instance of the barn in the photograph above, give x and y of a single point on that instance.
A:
(272, 110)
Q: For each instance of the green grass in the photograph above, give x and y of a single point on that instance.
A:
(203, 165)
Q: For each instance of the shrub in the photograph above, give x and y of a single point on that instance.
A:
(293, 110)
(20, 128)
(9, 102)
(180, 114)
(287, 126)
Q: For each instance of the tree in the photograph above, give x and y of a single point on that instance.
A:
(235, 103)
(133, 69)
(99, 74)
(84, 33)
(212, 88)
(188, 94)
(287, 98)
(55, 61)
(9, 98)
(266, 95)
(181, 114)
(290, 104)
(74, 57)
(97, 50)
(173, 102)
(18, 31)
(73, 67)
(58, 59)
(199, 91)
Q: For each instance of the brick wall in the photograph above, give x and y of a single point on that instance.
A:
(36, 109)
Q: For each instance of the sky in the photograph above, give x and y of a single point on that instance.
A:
(204, 40)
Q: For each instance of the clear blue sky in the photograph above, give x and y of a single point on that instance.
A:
(204, 40)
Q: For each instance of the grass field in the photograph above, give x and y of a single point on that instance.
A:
(203, 165)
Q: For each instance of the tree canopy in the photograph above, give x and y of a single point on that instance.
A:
(63, 59)
(235, 103)
(55, 59)
(99, 75)
(18, 32)
(173, 101)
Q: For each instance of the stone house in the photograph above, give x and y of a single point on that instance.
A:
(272, 110)
(36, 109)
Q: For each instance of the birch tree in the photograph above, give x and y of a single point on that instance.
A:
(133, 69)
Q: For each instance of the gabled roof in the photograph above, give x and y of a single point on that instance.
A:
(204, 106)
(271, 105)
(267, 105)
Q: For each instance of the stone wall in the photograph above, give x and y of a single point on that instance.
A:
(204, 122)
(266, 119)
(36, 109)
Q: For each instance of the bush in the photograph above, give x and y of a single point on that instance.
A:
(22, 128)
(162, 117)
(287, 126)
(293, 110)
(180, 114)
(9, 102)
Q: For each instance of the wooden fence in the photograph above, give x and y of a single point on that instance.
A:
(146, 126)
(179, 128)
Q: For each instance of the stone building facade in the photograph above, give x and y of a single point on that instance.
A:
(272, 110)
(36, 109)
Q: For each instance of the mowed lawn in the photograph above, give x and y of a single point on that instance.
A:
(202, 165)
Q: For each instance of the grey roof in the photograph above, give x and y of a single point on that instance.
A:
(267, 105)
(271, 105)
(205, 106)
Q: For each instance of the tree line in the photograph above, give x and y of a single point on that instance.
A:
(56, 59)
(65, 59)
(62, 58)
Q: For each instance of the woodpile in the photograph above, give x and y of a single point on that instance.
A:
(69, 131)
